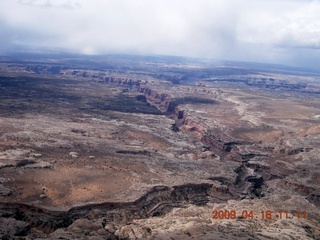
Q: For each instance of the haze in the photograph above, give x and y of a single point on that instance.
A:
(286, 32)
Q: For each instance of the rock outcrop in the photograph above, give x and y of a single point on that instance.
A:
(157, 201)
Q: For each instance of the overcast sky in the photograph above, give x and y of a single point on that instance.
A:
(275, 31)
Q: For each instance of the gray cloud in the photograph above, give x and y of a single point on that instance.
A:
(49, 3)
(261, 30)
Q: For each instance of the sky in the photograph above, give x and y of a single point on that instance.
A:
(273, 31)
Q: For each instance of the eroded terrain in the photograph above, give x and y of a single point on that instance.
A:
(140, 148)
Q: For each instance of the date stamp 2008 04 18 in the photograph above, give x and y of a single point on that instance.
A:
(245, 214)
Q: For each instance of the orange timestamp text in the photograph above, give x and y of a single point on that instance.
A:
(245, 214)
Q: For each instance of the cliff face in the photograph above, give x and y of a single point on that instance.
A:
(121, 81)
(159, 100)
(169, 106)
(164, 103)
(157, 201)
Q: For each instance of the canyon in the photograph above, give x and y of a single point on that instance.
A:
(129, 148)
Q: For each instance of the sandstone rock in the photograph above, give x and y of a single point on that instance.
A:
(74, 154)
(125, 232)
(61, 234)
(6, 164)
(207, 154)
(4, 180)
(110, 228)
(24, 162)
(4, 191)
(10, 227)
(83, 229)
(84, 225)
(42, 196)
(41, 164)
(103, 232)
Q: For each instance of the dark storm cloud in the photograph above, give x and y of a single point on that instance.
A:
(261, 30)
